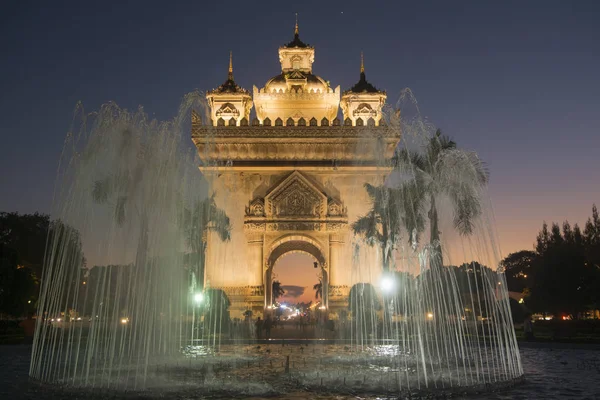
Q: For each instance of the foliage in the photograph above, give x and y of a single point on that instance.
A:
(563, 274)
(26, 234)
(466, 290)
(438, 170)
(107, 287)
(381, 226)
(17, 284)
(202, 218)
(215, 308)
(363, 304)
(277, 290)
(404, 285)
(23, 239)
(517, 269)
(441, 169)
(318, 288)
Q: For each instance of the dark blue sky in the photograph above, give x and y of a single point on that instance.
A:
(515, 81)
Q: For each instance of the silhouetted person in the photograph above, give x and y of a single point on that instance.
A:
(259, 327)
(268, 326)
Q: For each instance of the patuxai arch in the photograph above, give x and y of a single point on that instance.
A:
(291, 177)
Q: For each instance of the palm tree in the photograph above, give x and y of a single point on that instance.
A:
(216, 310)
(277, 290)
(363, 303)
(123, 188)
(318, 287)
(204, 217)
(380, 226)
(442, 170)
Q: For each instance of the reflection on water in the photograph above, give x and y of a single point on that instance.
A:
(549, 374)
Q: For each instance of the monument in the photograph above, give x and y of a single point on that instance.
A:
(291, 177)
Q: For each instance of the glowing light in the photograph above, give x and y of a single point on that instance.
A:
(387, 284)
(199, 298)
(28, 301)
(525, 276)
(57, 319)
(78, 318)
(521, 300)
(84, 282)
(429, 315)
(322, 308)
(547, 318)
(124, 320)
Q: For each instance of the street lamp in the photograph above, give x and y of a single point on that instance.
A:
(199, 297)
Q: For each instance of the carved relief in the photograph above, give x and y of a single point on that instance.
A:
(335, 208)
(339, 291)
(256, 208)
(254, 226)
(364, 109)
(294, 226)
(335, 226)
(227, 109)
(295, 197)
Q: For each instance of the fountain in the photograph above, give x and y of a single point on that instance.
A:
(129, 196)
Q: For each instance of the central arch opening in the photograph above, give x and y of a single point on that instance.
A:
(297, 276)
(297, 270)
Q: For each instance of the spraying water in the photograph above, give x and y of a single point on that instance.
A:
(124, 304)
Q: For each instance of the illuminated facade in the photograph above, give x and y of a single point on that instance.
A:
(292, 177)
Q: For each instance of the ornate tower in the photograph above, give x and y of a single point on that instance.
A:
(296, 95)
(362, 103)
(229, 104)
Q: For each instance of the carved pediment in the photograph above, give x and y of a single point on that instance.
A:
(227, 109)
(296, 196)
(364, 109)
(335, 208)
(256, 208)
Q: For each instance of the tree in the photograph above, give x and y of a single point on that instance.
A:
(443, 170)
(517, 269)
(204, 217)
(277, 290)
(24, 241)
(318, 288)
(215, 308)
(363, 304)
(561, 282)
(404, 292)
(382, 225)
(26, 234)
(18, 287)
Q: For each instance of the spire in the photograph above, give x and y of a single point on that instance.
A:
(296, 32)
(231, 65)
(297, 42)
(363, 85)
(362, 63)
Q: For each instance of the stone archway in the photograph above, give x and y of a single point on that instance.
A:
(294, 243)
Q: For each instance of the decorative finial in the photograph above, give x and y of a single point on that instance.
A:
(362, 63)
(296, 31)
(230, 65)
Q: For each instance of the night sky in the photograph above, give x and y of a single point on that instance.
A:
(515, 81)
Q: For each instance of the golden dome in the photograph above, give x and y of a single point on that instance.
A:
(296, 80)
